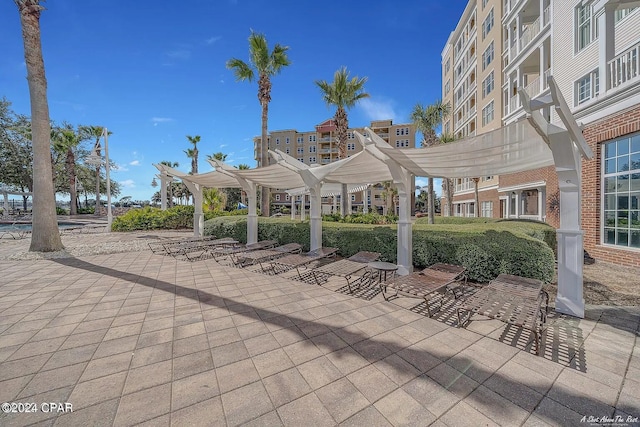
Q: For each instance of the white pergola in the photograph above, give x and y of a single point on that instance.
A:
(527, 144)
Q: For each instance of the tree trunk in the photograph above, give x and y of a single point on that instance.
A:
(45, 236)
(71, 170)
(97, 212)
(342, 127)
(476, 198)
(265, 195)
(449, 190)
(431, 211)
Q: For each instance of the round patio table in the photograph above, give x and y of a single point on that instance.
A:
(382, 267)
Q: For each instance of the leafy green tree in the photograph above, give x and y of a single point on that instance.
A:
(427, 119)
(67, 141)
(263, 64)
(16, 151)
(343, 93)
(213, 199)
(95, 132)
(45, 236)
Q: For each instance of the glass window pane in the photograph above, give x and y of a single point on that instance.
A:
(623, 202)
(635, 239)
(635, 219)
(623, 164)
(610, 236)
(635, 161)
(623, 183)
(635, 182)
(610, 184)
(610, 201)
(635, 143)
(610, 219)
(610, 166)
(623, 146)
(609, 150)
(623, 237)
(623, 219)
(634, 201)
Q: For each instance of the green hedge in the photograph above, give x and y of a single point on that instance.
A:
(149, 218)
(486, 250)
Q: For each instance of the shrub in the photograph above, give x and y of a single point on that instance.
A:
(61, 211)
(360, 218)
(214, 214)
(89, 210)
(149, 218)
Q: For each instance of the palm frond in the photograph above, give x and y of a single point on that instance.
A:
(241, 69)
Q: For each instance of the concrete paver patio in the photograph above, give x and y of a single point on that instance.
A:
(135, 338)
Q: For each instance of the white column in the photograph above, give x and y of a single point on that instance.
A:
(365, 202)
(164, 182)
(405, 232)
(315, 198)
(198, 216)
(570, 298)
(541, 208)
(349, 204)
(293, 208)
(606, 45)
(252, 218)
(335, 204)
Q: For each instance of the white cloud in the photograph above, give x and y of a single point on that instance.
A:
(181, 54)
(120, 168)
(134, 163)
(156, 120)
(213, 39)
(380, 109)
(128, 183)
(223, 145)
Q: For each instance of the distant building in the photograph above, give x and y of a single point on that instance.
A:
(592, 48)
(320, 147)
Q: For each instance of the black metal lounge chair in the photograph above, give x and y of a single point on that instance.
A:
(513, 300)
(229, 251)
(347, 268)
(296, 261)
(162, 246)
(260, 256)
(427, 283)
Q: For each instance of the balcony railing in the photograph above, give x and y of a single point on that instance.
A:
(624, 67)
(533, 88)
(546, 16)
(529, 33)
(514, 103)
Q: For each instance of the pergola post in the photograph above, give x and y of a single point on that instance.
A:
(164, 181)
(198, 216)
(405, 226)
(293, 208)
(365, 201)
(315, 198)
(252, 217)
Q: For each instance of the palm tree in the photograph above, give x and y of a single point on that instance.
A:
(95, 132)
(343, 94)
(262, 65)
(426, 120)
(220, 156)
(193, 153)
(213, 199)
(476, 209)
(66, 142)
(45, 236)
(171, 165)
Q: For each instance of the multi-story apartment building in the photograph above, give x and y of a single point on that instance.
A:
(320, 147)
(472, 78)
(592, 48)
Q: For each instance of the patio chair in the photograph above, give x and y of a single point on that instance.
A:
(511, 299)
(162, 246)
(296, 261)
(245, 259)
(347, 268)
(427, 283)
(196, 251)
(229, 251)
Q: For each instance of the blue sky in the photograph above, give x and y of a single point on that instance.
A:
(155, 72)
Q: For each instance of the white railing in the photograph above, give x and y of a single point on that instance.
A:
(465, 185)
(624, 67)
(472, 111)
(529, 33)
(546, 16)
(533, 88)
(545, 78)
(514, 103)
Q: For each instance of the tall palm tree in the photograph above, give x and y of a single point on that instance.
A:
(220, 156)
(194, 153)
(45, 236)
(427, 119)
(66, 142)
(343, 93)
(171, 165)
(95, 132)
(263, 64)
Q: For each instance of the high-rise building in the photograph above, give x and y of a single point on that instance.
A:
(320, 147)
(592, 49)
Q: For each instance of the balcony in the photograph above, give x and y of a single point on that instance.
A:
(326, 139)
(529, 34)
(531, 31)
(624, 67)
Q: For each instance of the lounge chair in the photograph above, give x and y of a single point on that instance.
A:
(229, 251)
(347, 268)
(197, 251)
(162, 246)
(511, 299)
(296, 261)
(197, 246)
(427, 283)
(245, 259)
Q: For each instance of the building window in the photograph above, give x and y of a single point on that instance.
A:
(312, 138)
(447, 65)
(287, 140)
(277, 197)
(277, 141)
(529, 200)
(513, 203)
(350, 135)
(587, 87)
(353, 197)
(351, 146)
(487, 85)
(312, 159)
(621, 185)
(287, 198)
(623, 13)
(585, 25)
(487, 114)
(484, 3)
(471, 209)
(402, 143)
(447, 87)
(300, 139)
(487, 209)
(288, 151)
(487, 24)
(312, 148)
(300, 150)
(487, 56)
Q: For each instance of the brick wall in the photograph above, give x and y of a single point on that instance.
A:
(596, 134)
